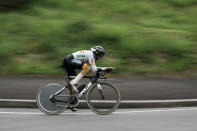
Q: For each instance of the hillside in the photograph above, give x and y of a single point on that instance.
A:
(141, 37)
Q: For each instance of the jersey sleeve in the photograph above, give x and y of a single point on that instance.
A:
(92, 63)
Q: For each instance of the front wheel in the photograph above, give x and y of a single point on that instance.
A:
(103, 98)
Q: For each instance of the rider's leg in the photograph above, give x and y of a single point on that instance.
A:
(85, 69)
(73, 64)
(69, 68)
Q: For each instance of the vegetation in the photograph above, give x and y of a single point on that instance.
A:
(140, 36)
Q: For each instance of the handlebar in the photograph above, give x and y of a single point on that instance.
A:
(101, 73)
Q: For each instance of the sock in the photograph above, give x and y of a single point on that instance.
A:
(77, 79)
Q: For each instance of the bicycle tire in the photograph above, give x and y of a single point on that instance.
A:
(93, 107)
(45, 104)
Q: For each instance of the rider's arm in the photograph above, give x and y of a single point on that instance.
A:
(108, 69)
(92, 62)
(93, 66)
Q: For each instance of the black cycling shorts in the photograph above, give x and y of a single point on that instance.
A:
(70, 64)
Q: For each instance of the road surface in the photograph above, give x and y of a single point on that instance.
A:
(160, 119)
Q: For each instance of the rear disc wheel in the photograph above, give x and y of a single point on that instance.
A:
(52, 105)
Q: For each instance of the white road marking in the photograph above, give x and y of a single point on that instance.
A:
(157, 110)
(17, 100)
(90, 113)
(21, 113)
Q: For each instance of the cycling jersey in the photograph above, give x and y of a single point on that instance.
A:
(85, 56)
(78, 60)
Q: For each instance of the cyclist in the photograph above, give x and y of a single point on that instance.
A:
(85, 60)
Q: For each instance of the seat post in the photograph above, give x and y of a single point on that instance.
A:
(68, 81)
(67, 77)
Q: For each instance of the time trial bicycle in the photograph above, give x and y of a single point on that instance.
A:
(102, 96)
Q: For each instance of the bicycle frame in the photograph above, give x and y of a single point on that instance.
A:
(85, 89)
(93, 79)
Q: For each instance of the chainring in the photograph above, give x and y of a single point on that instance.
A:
(74, 100)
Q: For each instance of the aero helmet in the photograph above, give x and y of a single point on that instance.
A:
(98, 51)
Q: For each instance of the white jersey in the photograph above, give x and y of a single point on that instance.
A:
(86, 56)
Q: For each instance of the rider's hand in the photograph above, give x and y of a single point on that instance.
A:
(110, 69)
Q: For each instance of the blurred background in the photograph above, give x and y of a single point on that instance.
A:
(141, 37)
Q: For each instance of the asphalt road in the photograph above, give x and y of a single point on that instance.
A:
(25, 87)
(160, 119)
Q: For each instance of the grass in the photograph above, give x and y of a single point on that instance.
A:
(140, 37)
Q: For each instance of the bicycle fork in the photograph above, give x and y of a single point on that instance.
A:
(100, 90)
